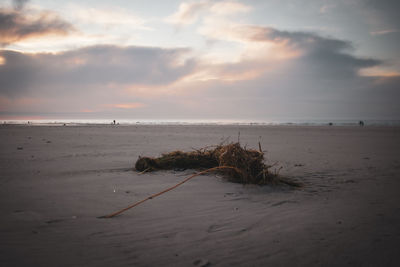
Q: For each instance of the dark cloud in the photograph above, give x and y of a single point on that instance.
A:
(17, 73)
(328, 57)
(324, 81)
(15, 25)
(140, 65)
(91, 67)
(387, 10)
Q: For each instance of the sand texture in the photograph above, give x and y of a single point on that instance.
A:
(56, 181)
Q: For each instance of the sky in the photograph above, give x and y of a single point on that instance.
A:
(200, 60)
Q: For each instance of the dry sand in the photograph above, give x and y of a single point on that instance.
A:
(55, 181)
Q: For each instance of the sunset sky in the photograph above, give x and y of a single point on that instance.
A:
(171, 60)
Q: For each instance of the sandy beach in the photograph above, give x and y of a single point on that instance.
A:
(56, 180)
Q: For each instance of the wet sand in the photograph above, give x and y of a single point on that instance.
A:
(56, 181)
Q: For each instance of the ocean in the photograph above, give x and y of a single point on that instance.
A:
(299, 122)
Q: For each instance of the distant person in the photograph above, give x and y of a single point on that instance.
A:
(114, 122)
(361, 123)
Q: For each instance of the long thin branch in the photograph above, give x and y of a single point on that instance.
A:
(168, 189)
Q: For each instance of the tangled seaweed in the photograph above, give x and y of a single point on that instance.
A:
(247, 165)
(239, 165)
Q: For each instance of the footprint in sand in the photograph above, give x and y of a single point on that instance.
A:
(54, 221)
(27, 216)
(201, 263)
(216, 227)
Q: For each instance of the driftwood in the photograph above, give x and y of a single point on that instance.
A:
(238, 164)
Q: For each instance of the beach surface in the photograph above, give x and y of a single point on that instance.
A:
(56, 180)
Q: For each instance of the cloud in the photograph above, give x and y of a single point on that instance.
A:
(379, 71)
(386, 12)
(91, 66)
(19, 4)
(19, 24)
(319, 76)
(188, 13)
(384, 32)
(329, 57)
(279, 73)
(380, 96)
(326, 8)
(229, 8)
(106, 17)
(127, 105)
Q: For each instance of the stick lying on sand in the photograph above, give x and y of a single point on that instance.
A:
(238, 164)
(166, 190)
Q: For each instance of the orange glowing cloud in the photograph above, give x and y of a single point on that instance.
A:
(226, 72)
(127, 105)
(14, 104)
(87, 111)
(21, 118)
(378, 72)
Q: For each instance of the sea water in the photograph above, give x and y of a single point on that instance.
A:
(280, 121)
